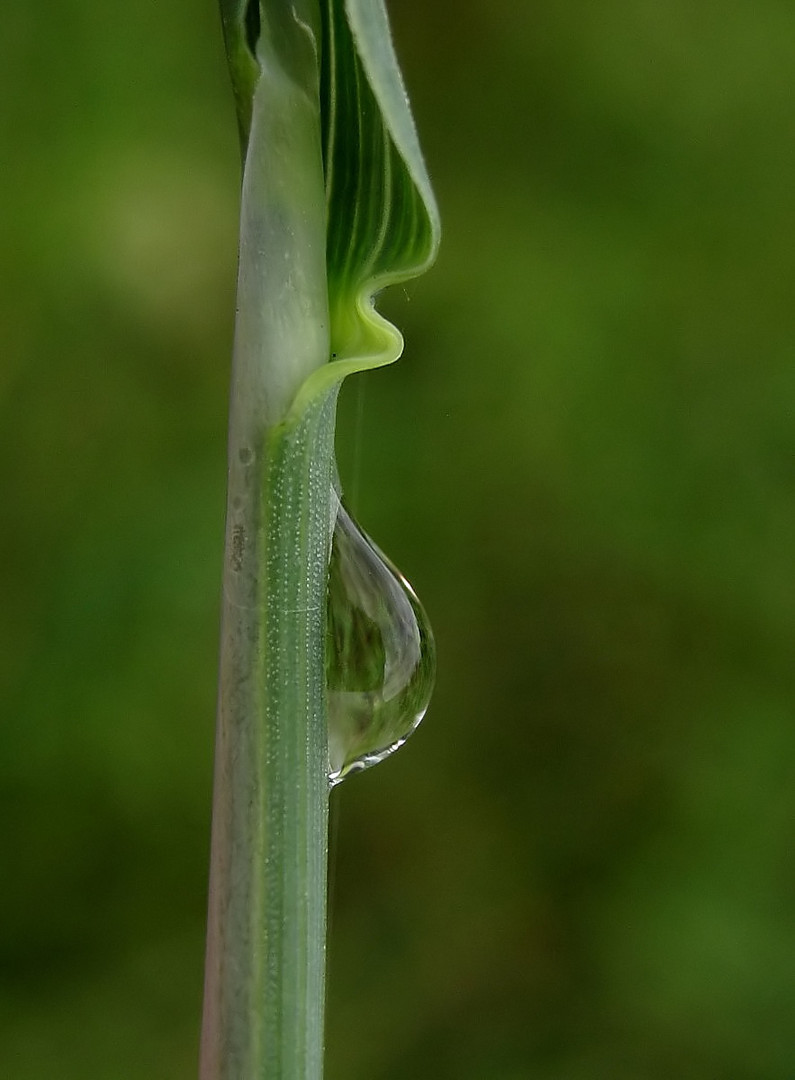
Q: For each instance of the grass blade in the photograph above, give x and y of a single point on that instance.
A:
(335, 205)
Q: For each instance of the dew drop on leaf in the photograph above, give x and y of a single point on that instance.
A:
(380, 654)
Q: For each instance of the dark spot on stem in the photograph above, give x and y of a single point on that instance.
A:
(238, 547)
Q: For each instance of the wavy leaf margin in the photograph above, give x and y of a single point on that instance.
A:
(382, 219)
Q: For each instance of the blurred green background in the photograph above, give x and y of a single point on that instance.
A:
(581, 867)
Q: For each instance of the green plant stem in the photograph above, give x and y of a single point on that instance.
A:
(336, 204)
(266, 948)
(264, 982)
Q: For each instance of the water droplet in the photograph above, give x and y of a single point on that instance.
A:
(380, 654)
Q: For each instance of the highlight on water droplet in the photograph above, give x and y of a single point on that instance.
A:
(380, 654)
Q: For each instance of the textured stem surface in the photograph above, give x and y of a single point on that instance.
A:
(264, 982)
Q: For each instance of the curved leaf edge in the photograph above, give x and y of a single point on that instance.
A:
(372, 38)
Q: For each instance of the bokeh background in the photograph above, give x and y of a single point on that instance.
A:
(581, 867)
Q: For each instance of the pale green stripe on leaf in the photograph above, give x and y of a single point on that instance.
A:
(382, 220)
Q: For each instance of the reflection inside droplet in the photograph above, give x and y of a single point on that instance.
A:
(380, 655)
